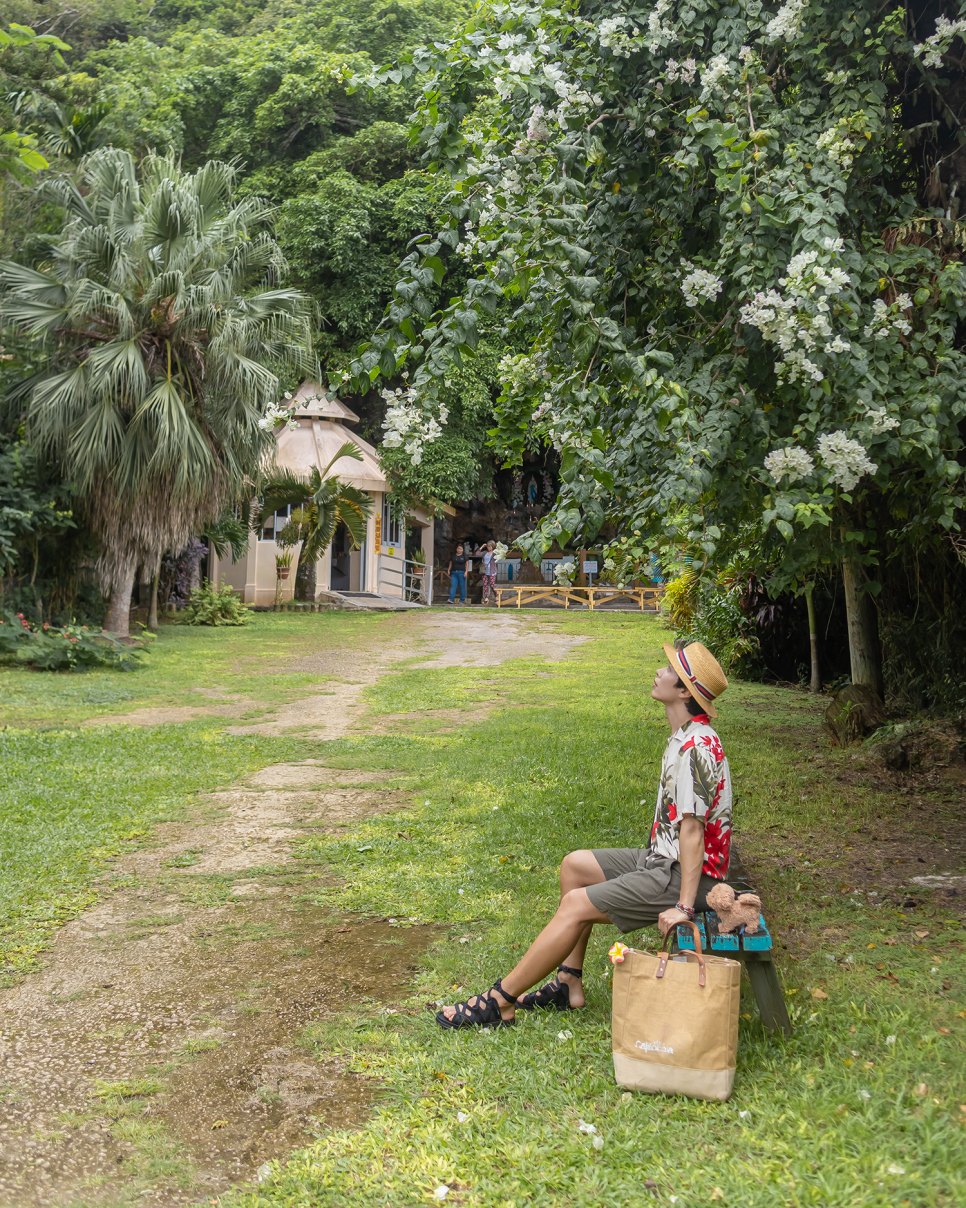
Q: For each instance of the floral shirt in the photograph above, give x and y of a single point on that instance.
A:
(695, 779)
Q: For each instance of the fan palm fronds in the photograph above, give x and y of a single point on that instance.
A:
(166, 325)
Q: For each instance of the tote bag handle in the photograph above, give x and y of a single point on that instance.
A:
(666, 956)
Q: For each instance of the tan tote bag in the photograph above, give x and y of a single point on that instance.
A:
(675, 1022)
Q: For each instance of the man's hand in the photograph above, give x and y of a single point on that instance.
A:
(670, 918)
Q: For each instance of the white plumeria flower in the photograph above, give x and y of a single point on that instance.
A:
(462, 1117)
(441, 1192)
(895, 1168)
(568, 1035)
(890, 1040)
(584, 1127)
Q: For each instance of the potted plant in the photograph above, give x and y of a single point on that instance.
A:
(283, 564)
(419, 561)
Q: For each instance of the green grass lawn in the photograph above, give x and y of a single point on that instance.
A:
(860, 1107)
(837, 1115)
(72, 797)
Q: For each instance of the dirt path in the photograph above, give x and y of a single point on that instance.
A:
(156, 1057)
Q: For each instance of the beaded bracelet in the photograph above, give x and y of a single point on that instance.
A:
(688, 910)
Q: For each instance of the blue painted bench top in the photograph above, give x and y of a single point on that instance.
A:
(715, 940)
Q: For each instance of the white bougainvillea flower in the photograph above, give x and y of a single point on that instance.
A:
(845, 459)
(791, 463)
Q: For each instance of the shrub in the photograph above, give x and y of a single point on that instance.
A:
(681, 597)
(729, 633)
(211, 605)
(62, 648)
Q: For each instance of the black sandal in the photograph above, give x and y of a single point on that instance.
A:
(554, 994)
(484, 1013)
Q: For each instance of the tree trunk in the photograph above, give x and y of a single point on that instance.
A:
(864, 652)
(153, 613)
(144, 587)
(815, 685)
(118, 619)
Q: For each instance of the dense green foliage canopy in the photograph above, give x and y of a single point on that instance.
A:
(269, 86)
(735, 229)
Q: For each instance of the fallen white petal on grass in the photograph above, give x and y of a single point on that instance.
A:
(890, 1040)
(744, 1115)
(598, 1142)
(626, 1097)
(496, 807)
(263, 1173)
(896, 1169)
(568, 1035)
(462, 1117)
(584, 1127)
(442, 1191)
(864, 1095)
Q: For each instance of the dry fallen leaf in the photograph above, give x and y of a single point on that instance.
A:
(944, 1032)
(922, 934)
(922, 1089)
(717, 1194)
(961, 1014)
(817, 993)
(219, 1124)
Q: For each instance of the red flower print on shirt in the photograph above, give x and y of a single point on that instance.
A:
(713, 743)
(695, 763)
(717, 847)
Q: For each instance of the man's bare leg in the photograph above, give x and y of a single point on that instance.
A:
(578, 870)
(564, 939)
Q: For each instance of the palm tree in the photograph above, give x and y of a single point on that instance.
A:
(164, 327)
(323, 503)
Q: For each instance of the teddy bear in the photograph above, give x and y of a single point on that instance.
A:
(734, 910)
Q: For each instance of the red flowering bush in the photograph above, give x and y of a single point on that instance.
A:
(61, 648)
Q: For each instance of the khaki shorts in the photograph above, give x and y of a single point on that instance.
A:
(639, 886)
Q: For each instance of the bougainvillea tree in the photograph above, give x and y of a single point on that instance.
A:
(735, 229)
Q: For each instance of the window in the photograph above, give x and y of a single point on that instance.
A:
(392, 528)
(275, 523)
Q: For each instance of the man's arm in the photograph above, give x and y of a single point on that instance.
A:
(691, 846)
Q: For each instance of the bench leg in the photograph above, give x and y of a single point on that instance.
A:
(768, 995)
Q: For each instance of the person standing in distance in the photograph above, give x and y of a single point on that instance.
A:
(457, 575)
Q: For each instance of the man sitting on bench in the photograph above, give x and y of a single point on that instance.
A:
(634, 887)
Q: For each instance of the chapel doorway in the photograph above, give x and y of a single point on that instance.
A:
(340, 552)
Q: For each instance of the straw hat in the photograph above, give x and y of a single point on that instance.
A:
(700, 672)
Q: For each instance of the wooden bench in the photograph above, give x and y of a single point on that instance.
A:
(526, 593)
(754, 951)
(587, 597)
(640, 595)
